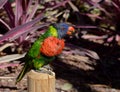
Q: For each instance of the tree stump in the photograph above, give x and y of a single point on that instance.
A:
(41, 82)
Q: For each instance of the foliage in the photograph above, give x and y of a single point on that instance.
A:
(96, 22)
(105, 16)
(21, 18)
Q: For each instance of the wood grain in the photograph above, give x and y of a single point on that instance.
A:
(41, 82)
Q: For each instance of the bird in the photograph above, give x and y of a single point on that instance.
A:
(45, 48)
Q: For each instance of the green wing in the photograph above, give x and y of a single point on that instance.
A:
(35, 49)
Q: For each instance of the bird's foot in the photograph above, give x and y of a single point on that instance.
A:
(45, 70)
(48, 67)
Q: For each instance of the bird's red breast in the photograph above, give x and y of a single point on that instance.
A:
(52, 46)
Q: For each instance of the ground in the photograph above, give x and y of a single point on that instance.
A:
(74, 73)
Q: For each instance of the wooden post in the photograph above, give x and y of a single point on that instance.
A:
(41, 82)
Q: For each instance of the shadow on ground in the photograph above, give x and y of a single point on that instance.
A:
(106, 72)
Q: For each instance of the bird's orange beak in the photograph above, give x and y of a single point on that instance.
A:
(71, 30)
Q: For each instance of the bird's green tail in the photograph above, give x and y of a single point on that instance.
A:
(23, 72)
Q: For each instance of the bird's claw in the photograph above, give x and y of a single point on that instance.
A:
(44, 70)
(48, 67)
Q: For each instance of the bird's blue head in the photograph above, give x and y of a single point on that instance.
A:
(64, 29)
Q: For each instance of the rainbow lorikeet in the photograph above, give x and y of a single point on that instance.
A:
(45, 48)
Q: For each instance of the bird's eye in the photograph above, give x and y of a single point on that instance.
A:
(62, 28)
